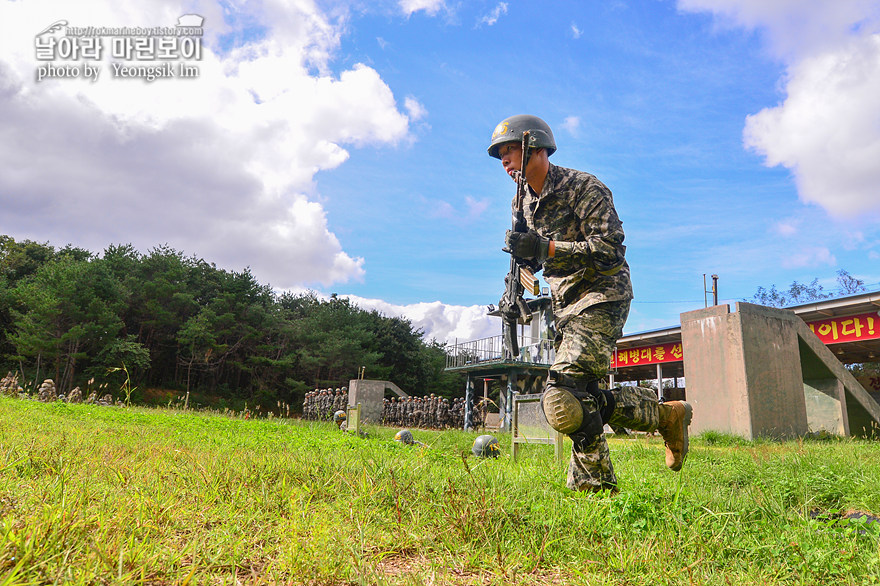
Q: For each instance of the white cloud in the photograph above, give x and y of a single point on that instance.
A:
(444, 323)
(827, 130)
(431, 7)
(220, 166)
(415, 110)
(575, 31)
(809, 257)
(795, 28)
(491, 18)
(572, 124)
(475, 207)
(787, 227)
(472, 210)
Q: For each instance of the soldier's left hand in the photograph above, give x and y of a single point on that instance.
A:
(527, 245)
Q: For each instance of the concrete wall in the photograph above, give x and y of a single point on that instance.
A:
(715, 372)
(371, 395)
(760, 371)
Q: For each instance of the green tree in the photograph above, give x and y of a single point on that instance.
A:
(67, 312)
(333, 343)
(21, 259)
(166, 319)
(799, 293)
(17, 261)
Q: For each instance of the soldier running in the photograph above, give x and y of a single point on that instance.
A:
(575, 233)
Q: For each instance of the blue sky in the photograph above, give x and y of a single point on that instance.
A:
(341, 146)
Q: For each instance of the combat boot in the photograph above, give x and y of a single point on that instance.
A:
(675, 417)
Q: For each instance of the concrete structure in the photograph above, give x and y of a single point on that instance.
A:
(758, 371)
(849, 326)
(371, 395)
(762, 372)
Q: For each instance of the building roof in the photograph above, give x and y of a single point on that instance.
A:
(847, 352)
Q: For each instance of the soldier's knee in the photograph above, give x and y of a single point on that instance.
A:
(576, 406)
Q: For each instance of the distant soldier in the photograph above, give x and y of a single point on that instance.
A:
(435, 411)
(408, 412)
(324, 405)
(444, 413)
(459, 413)
(432, 411)
(420, 412)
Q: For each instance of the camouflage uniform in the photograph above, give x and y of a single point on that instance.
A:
(591, 292)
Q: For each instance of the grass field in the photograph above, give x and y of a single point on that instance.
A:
(99, 495)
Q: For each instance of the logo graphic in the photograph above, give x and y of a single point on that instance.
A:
(190, 20)
(57, 25)
(145, 53)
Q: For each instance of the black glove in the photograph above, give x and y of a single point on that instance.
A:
(527, 245)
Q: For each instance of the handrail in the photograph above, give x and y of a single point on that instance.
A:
(531, 350)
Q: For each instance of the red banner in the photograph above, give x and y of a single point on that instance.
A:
(847, 329)
(835, 330)
(648, 355)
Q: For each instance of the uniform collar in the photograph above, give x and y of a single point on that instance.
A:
(549, 183)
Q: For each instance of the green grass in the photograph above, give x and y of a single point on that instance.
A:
(97, 495)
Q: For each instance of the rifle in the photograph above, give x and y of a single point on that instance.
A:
(512, 305)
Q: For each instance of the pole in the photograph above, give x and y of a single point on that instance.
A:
(508, 402)
(468, 403)
(659, 381)
(705, 298)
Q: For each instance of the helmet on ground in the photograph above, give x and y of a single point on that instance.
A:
(404, 436)
(339, 417)
(486, 446)
(512, 129)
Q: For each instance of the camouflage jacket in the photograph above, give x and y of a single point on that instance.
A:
(576, 210)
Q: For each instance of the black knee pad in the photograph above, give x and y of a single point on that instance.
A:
(565, 409)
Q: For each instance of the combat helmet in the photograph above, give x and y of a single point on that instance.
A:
(512, 129)
(404, 436)
(339, 417)
(486, 446)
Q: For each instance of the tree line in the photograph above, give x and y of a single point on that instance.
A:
(800, 293)
(178, 322)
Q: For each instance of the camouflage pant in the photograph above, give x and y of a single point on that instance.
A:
(590, 467)
(584, 342)
(583, 350)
